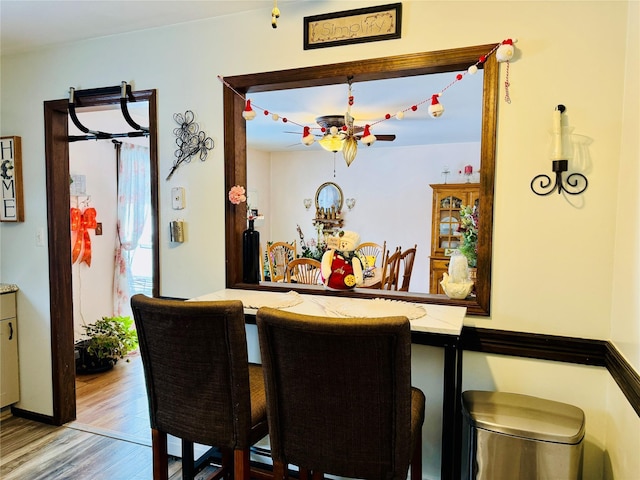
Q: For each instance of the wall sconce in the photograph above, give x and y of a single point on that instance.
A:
(576, 181)
(351, 202)
(307, 203)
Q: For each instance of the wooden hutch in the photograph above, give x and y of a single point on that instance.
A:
(448, 198)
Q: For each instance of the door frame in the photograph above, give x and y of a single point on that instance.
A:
(56, 124)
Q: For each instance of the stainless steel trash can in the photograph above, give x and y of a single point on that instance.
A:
(510, 436)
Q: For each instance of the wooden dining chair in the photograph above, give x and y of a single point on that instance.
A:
(372, 249)
(304, 270)
(200, 385)
(279, 255)
(389, 279)
(405, 266)
(339, 396)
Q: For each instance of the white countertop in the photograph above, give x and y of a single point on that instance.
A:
(8, 288)
(423, 317)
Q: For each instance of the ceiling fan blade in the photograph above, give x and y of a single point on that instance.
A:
(386, 138)
(381, 137)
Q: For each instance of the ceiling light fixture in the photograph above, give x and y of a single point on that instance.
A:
(333, 141)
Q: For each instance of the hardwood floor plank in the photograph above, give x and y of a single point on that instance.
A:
(110, 440)
(32, 452)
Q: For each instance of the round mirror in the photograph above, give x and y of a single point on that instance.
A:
(329, 195)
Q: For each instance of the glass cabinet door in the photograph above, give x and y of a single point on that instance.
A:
(449, 223)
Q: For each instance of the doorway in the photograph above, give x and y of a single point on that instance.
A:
(59, 234)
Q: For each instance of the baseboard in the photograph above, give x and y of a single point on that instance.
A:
(38, 417)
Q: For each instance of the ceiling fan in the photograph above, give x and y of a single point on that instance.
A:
(328, 121)
(340, 134)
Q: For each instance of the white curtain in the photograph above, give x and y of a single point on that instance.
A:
(134, 200)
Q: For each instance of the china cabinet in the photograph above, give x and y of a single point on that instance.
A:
(9, 381)
(448, 199)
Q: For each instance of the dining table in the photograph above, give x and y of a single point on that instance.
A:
(433, 325)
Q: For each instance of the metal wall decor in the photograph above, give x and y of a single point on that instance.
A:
(190, 140)
(576, 183)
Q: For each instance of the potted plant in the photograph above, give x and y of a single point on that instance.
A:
(108, 339)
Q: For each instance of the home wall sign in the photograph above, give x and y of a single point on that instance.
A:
(369, 24)
(12, 207)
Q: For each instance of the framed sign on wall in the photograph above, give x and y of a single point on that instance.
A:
(12, 207)
(369, 24)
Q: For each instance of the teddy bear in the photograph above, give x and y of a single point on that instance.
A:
(341, 267)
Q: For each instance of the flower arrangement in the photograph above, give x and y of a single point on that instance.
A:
(469, 230)
(238, 195)
(311, 249)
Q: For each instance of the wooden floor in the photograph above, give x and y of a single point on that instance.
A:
(110, 439)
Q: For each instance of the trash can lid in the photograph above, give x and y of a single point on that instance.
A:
(524, 416)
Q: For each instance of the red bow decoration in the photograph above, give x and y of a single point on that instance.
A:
(80, 222)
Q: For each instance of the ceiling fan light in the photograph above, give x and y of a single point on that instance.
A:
(331, 143)
(350, 150)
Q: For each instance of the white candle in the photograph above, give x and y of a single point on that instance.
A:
(557, 135)
(458, 268)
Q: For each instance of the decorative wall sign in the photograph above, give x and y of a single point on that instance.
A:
(12, 207)
(369, 24)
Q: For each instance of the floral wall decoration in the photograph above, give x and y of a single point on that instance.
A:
(191, 141)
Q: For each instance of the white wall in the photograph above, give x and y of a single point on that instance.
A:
(556, 266)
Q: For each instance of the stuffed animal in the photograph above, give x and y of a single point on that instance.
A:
(341, 267)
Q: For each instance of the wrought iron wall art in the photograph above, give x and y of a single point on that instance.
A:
(190, 140)
(576, 183)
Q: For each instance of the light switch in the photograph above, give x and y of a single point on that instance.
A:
(177, 198)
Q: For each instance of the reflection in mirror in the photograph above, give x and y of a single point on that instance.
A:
(394, 67)
(328, 196)
(391, 178)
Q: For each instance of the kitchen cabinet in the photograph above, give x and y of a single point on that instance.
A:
(9, 376)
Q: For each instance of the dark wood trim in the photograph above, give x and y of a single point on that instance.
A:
(60, 273)
(625, 376)
(600, 353)
(364, 70)
(534, 345)
(36, 417)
